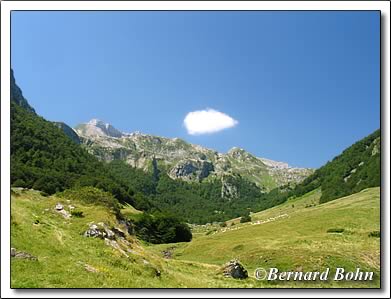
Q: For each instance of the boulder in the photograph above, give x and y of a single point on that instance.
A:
(101, 231)
(22, 255)
(13, 252)
(59, 207)
(235, 270)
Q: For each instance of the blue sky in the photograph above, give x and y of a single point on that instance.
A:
(300, 86)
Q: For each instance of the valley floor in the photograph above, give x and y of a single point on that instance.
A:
(299, 235)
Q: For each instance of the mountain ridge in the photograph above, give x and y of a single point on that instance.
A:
(183, 160)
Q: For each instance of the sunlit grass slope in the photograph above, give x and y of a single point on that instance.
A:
(294, 236)
(63, 253)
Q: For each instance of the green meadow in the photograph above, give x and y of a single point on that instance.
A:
(299, 235)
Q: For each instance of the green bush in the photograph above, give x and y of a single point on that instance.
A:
(375, 234)
(336, 230)
(245, 218)
(160, 228)
(78, 214)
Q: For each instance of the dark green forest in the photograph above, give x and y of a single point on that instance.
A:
(44, 158)
(193, 202)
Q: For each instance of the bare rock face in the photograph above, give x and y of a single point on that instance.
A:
(96, 127)
(235, 270)
(191, 170)
(228, 188)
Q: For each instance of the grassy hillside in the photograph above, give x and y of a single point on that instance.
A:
(295, 235)
(297, 241)
(356, 168)
(67, 259)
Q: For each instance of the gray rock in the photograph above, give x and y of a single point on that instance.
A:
(59, 207)
(65, 214)
(22, 255)
(191, 169)
(93, 232)
(235, 270)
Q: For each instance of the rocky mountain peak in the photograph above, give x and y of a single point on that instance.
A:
(96, 127)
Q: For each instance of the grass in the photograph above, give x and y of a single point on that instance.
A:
(63, 252)
(297, 237)
(292, 236)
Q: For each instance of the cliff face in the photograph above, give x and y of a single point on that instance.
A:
(17, 95)
(182, 160)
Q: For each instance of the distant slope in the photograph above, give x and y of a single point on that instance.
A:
(356, 168)
(295, 236)
(182, 160)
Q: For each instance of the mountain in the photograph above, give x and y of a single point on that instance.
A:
(17, 95)
(18, 98)
(96, 127)
(68, 131)
(182, 160)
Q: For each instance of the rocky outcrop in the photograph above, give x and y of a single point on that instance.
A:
(190, 170)
(234, 269)
(22, 255)
(228, 188)
(17, 96)
(96, 127)
(376, 146)
(59, 208)
(99, 230)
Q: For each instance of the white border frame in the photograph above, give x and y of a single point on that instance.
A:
(7, 6)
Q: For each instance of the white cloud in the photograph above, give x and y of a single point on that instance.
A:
(207, 121)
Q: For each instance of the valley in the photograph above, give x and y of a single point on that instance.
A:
(93, 207)
(300, 241)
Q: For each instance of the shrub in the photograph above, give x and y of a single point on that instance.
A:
(160, 228)
(375, 234)
(78, 214)
(336, 230)
(245, 218)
